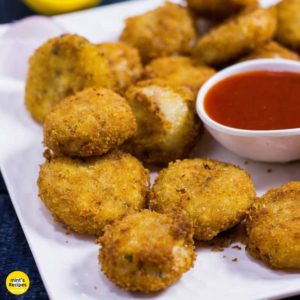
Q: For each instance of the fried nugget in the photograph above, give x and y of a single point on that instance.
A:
(167, 123)
(236, 37)
(61, 67)
(179, 70)
(219, 9)
(166, 30)
(89, 123)
(273, 227)
(289, 23)
(124, 61)
(147, 251)
(213, 194)
(272, 50)
(87, 194)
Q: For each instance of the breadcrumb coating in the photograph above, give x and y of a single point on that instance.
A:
(88, 194)
(236, 37)
(273, 227)
(147, 251)
(61, 67)
(179, 71)
(214, 195)
(272, 50)
(289, 23)
(89, 123)
(164, 31)
(124, 61)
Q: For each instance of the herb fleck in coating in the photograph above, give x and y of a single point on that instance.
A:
(88, 194)
(89, 123)
(147, 251)
(214, 195)
(273, 227)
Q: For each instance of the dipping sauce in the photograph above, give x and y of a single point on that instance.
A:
(259, 100)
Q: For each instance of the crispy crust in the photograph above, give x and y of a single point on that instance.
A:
(288, 23)
(61, 67)
(124, 61)
(213, 194)
(272, 50)
(273, 227)
(167, 123)
(88, 194)
(236, 37)
(147, 251)
(166, 30)
(89, 123)
(179, 71)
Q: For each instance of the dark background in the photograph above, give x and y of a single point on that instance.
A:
(11, 10)
(14, 251)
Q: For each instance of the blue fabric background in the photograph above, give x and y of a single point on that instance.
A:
(14, 251)
(11, 10)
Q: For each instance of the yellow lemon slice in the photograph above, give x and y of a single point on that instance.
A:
(52, 7)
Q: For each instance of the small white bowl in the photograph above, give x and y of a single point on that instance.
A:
(260, 145)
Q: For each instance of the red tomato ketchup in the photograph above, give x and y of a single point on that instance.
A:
(259, 100)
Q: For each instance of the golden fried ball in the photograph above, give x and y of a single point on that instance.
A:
(272, 50)
(289, 23)
(236, 37)
(274, 227)
(124, 61)
(89, 123)
(87, 194)
(166, 30)
(219, 9)
(167, 124)
(213, 194)
(179, 70)
(61, 67)
(147, 251)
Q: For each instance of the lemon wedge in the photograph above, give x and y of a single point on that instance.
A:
(52, 7)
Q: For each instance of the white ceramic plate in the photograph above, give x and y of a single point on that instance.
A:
(68, 263)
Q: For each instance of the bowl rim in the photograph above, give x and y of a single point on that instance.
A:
(272, 64)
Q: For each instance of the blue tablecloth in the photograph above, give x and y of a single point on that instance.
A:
(14, 250)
